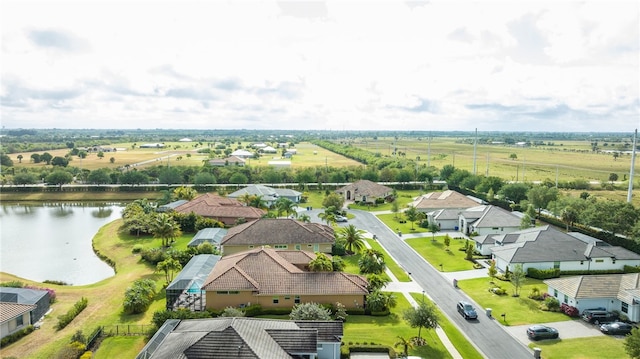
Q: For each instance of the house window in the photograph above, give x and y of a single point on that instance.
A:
(296, 299)
(581, 262)
(556, 265)
(287, 297)
(599, 260)
(19, 321)
(566, 299)
(250, 247)
(316, 248)
(555, 293)
(276, 300)
(495, 228)
(309, 245)
(625, 307)
(298, 247)
(319, 347)
(281, 246)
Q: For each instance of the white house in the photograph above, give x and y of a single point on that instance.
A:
(268, 194)
(488, 219)
(546, 247)
(14, 317)
(609, 291)
(242, 153)
(447, 219)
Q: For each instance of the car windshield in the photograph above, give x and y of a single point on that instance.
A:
(468, 307)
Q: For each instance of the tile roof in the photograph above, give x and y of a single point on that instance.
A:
(621, 286)
(240, 338)
(266, 272)
(271, 231)
(445, 199)
(9, 311)
(366, 188)
(214, 206)
(547, 244)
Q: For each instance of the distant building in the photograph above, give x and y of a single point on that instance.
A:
(152, 145)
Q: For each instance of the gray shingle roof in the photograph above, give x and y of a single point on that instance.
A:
(241, 338)
(621, 286)
(211, 235)
(366, 188)
(444, 199)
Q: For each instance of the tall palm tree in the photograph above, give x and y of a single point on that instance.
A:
(372, 261)
(329, 215)
(258, 202)
(286, 206)
(353, 238)
(245, 198)
(166, 228)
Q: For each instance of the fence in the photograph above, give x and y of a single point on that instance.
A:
(126, 329)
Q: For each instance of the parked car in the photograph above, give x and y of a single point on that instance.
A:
(598, 317)
(341, 218)
(467, 310)
(616, 328)
(542, 332)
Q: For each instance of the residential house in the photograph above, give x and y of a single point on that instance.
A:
(268, 194)
(152, 145)
(229, 161)
(546, 247)
(610, 291)
(279, 233)
(365, 191)
(276, 279)
(14, 317)
(450, 200)
(488, 219)
(225, 210)
(185, 290)
(38, 297)
(268, 149)
(242, 154)
(245, 338)
(211, 235)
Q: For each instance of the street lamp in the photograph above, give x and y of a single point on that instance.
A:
(423, 297)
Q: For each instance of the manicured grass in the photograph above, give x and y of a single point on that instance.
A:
(351, 265)
(120, 347)
(404, 197)
(459, 341)
(582, 348)
(434, 252)
(397, 271)
(519, 310)
(392, 220)
(385, 330)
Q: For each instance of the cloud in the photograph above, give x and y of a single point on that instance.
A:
(59, 40)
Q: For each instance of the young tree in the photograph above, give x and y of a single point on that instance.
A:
(166, 228)
(372, 261)
(20, 157)
(447, 241)
(139, 296)
(433, 228)
(309, 311)
(329, 215)
(169, 266)
(395, 208)
(333, 200)
(424, 315)
(492, 271)
(305, 218)
(517, 278)
(412, 215)
(404, 344)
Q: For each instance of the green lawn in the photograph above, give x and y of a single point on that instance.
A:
(397, 271)
(519, 310)
(434, 252)
(459, 341)
(385, 330)
(404, 197)
(120, 347)
(582, 348)
(392, 220)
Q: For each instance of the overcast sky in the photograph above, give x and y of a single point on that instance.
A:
(343, 65)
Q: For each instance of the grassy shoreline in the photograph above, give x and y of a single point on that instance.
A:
(77, 196)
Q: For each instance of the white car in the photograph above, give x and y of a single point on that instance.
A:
(341, 218)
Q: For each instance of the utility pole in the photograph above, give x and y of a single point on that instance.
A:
(429, 151)
(633, 165)
(475, 146)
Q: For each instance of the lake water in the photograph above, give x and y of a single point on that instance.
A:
(53, 241)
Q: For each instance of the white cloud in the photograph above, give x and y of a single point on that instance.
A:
(436, 65)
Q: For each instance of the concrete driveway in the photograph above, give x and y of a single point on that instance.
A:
(567, 330)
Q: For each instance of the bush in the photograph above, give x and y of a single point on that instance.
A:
(253, 310)
(232, 312)
(139, 296)
(137, 248)
(569, 310)
(498, 291)
(12, 284)
(15, 336)
(543, 273)
(309, 311)
(66, 318)
(153, 256)
(550, 304)
(535, 294)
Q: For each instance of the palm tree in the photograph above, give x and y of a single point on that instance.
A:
(321, 263)
(286, 206)
(169, 267)
(372, 261)
(166, 228)
(329, 215)
(405, 344)
(258, 202)
(245, 198)
(304, 218)
(353, 238)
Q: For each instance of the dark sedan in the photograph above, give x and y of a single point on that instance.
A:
(467, 310)
(542, 332)
(616, 328)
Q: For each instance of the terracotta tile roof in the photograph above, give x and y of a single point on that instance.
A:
(9, 311)
(441, 200)
(366, 188)
(214, 206)
(268, 273)
(270, 231)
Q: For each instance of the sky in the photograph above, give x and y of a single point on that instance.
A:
(557, 66)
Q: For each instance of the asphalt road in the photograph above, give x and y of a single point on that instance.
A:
(487, 335)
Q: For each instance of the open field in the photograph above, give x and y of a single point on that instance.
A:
(567, 160)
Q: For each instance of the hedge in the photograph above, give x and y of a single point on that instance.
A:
(66, 318)
(15, 336)
(543, 273)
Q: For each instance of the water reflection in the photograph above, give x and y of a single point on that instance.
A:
(53, 241)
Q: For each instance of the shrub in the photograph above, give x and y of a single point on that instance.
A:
(340, 312)
(232, 312)
(253, 310)
(498, 291)
(535, 294)
(309, 311)
(137, 248)
(15, 336)
(543, 273)
(139, 296)
(569, 310)
(87, 355)
(66, 318)
(550, 304)
(12, 284)
(631, 269)
(153, 256)
(56, 282)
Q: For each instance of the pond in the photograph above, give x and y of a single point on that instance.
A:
(53, 241)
